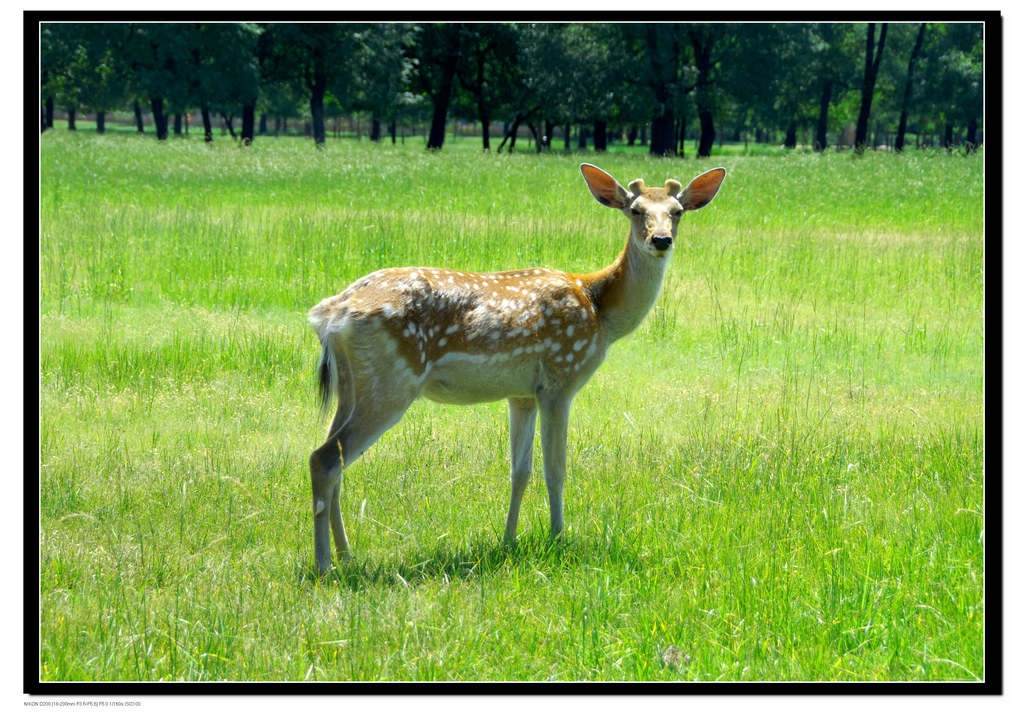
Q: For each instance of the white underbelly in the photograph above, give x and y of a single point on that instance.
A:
(466, 378)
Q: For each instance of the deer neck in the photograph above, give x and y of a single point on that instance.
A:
(624, 292)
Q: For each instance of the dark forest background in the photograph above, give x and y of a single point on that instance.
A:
(561, 86)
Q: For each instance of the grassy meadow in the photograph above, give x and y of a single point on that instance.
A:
(778, 476)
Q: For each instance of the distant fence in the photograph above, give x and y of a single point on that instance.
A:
(360, 127)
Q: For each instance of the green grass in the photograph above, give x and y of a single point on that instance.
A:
(779, 476)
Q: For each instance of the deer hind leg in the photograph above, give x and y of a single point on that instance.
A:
(325, 466)
(352, 433)
(522, 418)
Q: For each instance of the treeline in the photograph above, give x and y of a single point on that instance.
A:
(654, 83)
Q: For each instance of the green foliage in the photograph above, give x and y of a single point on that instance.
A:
(755, 76)
(951, 80)
(381, 70)
(779, 476)
(226, 63)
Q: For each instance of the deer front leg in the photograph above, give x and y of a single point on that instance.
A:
(554, 431)
(522, 418)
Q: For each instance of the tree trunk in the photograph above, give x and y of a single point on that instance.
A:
(682, 137)
(538, 142)
(549, 133)
(207, 124)
(375, 129)
(790, 141)
(229, 124)
(663, 133)
(947, 137)
(101, 122)
(392, 130)
(582, 137)
(702, 58)
(485, 126)
(631, 135)
(177, 125)
(317, 89)
(48, 113)
(159, 118)
(872, 60)
(600, 135)
(662, 51)
(248, 123)
(139, 127)
(263, 123)
(568, 139)
(972, 134)
(707, 134)
(71, 118)
(901, 130)
(510, 133)
(443, 95)
(821, 130)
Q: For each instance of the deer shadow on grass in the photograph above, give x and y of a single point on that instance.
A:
(482, 556)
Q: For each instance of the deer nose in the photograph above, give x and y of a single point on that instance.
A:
(661, 242)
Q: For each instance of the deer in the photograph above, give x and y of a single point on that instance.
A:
(533, 337)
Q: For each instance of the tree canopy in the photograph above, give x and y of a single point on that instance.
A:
(666, 82)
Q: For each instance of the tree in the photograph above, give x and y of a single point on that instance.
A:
(769, 80)
(485, 72)
(104, 87)
(62, 60)
(830, 62)
(437, 50)
(544, 77)
(602, 75)
(872, 60)
(381, 70)
(159, 57)
(908, 86)
(952, 73)
(227, 59)
(312, 57)
(703, 38)
(665, 81)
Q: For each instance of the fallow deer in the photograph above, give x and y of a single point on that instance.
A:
(533, 337)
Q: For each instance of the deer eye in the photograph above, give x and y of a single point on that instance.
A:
(677, 213)
(636, 212)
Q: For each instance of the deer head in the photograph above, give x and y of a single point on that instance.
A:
(653, 213)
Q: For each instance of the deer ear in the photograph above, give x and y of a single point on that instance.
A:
(604, 187)
(701, 190)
